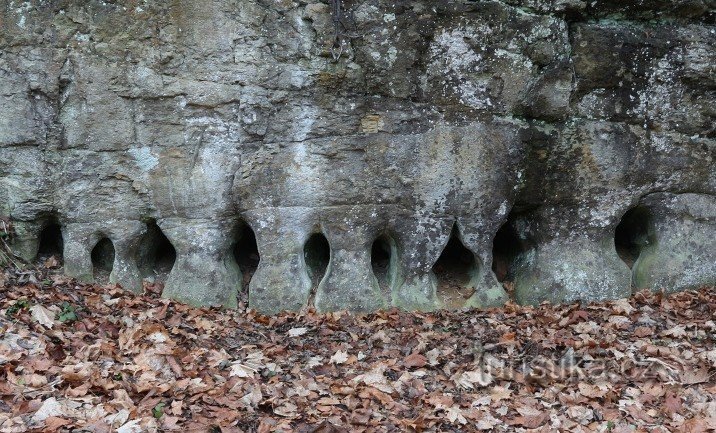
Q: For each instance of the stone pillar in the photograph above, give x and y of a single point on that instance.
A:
(281, 280)
(78, 242)
(422, 241)
(26, 241)
(570, 261)
(205, 272)
(477, 236)
(349, 282)
(566, 269)
(125, 236)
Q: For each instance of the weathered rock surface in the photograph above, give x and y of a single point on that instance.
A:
(568, 147)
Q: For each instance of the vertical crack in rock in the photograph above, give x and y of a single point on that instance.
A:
(156, 255)
(246, 254)
(456, 271)
(103, 260)
(317, 256)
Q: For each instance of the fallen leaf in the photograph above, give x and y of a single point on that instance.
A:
(117, 419)
(469, 379)
(339, 357)
(643, 331)
(454, 414)
(672, 403)
(415, 360)
(487, 422)
(690, 377)
(50, 408)
(432, 356)
(296, 332)
(327, 427)
(253, 398)
(623, 306)
(530, 422)
(593, 391)
(54, 423)
(217, 369)
(42, 315)
(131, 427)
(240, 370)
(286, 410)
(52, 263)
(499, 393)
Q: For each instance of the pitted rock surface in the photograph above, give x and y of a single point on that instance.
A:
(434, 153)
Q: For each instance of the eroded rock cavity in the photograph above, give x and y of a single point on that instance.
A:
(432, 155)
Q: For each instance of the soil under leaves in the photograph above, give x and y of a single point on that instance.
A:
(79, 357)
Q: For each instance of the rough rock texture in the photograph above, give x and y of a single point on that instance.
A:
(509, 137)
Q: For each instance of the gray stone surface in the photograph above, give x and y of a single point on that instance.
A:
(679, 250)
(166, 126)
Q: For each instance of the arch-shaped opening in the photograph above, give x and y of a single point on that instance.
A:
(634, 232)
(156, 254)
(383, 261)
(246, 254)
(102, 260)
(509, 249)
(51, 242)
(317, 255)
(456, 270)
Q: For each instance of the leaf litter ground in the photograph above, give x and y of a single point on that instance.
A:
(82, 357)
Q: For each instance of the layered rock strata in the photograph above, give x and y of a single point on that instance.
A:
(421, 154)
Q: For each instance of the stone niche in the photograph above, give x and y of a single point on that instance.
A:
(435, 155)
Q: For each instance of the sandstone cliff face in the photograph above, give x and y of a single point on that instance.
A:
(565, 146)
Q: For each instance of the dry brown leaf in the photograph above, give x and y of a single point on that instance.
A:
(415, 360)
(672, 403)
(131, 358)
(43, 316)
(691, 377)
(52, 263)
(593, 391)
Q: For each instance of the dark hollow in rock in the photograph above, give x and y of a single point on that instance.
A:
(383, 256)
(156, 254)
(634, 232)
(51, 241)
(508, 250)
(102, 260)
(317, 254)
(246, 254)
(455, 270)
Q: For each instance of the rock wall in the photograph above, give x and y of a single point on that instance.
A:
(427, 155)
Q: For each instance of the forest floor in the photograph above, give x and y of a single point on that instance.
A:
(82, 357)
